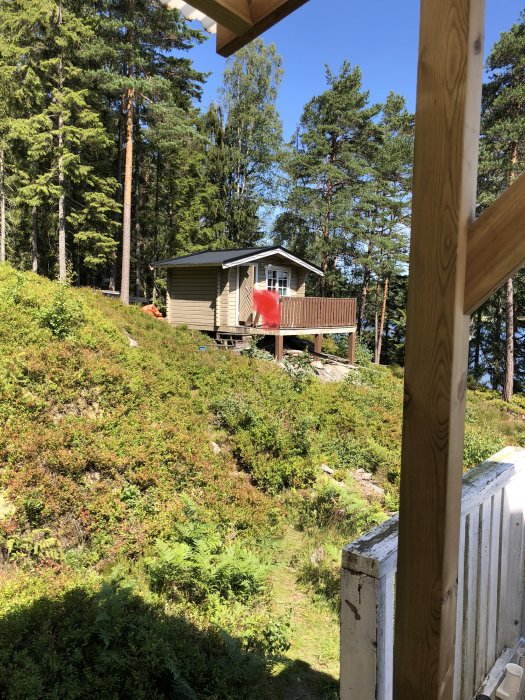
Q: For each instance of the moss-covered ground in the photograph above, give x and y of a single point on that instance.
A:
(166, 528)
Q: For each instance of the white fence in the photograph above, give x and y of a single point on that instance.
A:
(490, 610)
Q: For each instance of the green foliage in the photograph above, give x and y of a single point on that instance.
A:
(107, 467)
(204, 568)
(339, 506)
(479, 447)
(63, 316)
(299, 369)
(109, 643)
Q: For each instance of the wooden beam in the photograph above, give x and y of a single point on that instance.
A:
(318, 344)
(265, 14)
(445, 171)
(496, 245)
(233, 15)
(279, 347)
(351, 348)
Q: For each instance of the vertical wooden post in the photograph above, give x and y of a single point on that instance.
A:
(446, 156)
(318, 344)
(351, 348)
(279, 345)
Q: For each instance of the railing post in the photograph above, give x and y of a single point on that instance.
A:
(367, 615)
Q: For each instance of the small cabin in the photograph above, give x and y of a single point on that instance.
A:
(213, 291)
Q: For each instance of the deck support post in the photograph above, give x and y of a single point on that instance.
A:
(279, 346)
(445, 170)
(318, 344)
(351, 348)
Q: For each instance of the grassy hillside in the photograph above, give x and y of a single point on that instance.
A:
(166, 527)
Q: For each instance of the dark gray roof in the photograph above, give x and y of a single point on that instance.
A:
(228, 258)
(211, 257)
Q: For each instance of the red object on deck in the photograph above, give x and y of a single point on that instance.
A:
(152, 310)
(266, 303)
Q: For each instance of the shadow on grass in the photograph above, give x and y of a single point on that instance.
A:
(111, 644)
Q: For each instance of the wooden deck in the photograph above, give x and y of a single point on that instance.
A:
(317, 312)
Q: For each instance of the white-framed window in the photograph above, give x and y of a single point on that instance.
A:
(278, 280)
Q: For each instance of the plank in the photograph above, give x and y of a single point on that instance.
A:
(496, 245)
(235, 15)
(265, 14)
(445, 171)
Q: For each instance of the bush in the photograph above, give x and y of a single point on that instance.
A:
(63, 316)
(335, 505)
(299, 370)
(478, 448)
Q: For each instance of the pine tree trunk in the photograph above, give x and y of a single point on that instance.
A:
(379, 335)
(128, 183)
(34, 239)
(2, 210)
(362, 304)
(62, 272)
(138, 256)
(508, 382)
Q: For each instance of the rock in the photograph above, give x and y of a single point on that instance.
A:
(132, 342)
(332, 372)
(370, 489)
(327, 469)
(317, 556)
(215, 448)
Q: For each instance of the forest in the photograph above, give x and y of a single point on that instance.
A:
(108, 162)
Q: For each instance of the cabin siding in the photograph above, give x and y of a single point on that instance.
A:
(232, 296)
(297, 274)
(301, 282)
(222, 314)
(192, 297)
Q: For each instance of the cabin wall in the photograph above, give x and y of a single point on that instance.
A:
(191, 297)
(297, 274)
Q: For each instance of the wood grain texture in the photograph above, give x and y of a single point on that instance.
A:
(445, 169)
(235, 15)
(265, 14)
(496, 245)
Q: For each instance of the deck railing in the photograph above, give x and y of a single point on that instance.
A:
(490, 604)
(317, 312)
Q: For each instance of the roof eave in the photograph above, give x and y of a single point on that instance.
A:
(273, 251)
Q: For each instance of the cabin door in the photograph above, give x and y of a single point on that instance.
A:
(246, 282)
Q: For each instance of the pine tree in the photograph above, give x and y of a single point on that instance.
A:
(503, 148)
(253, 137)
(140, 69)
(329, 170)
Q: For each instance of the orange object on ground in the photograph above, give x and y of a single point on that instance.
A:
(266, 303)
(152, 310)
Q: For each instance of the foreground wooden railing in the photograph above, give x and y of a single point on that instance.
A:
(490, 610)
(317, 312)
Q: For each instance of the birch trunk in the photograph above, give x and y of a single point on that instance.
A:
(508, 381)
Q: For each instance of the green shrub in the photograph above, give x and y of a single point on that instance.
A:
(284, 473)
(63, 316)
(299, 370)
(335, 505)
(479, 447)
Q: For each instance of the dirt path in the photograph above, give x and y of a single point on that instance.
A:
(311, 669)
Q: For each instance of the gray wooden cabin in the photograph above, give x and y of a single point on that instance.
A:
(212, 291)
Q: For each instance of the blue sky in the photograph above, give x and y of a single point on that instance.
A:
(378, 35)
